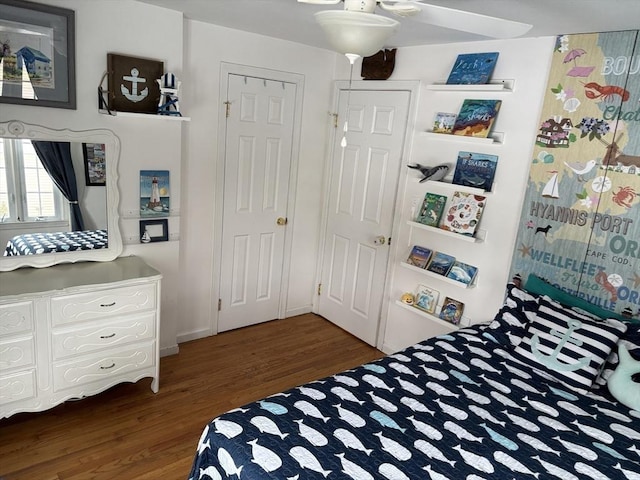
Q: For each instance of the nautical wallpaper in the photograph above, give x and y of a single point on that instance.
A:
(580, 221)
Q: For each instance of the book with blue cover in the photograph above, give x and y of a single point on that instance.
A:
(473, 68)
(475, 170)
(440, 263)
(419, 256)
(476, 117)
(462, 272)
(451, 310)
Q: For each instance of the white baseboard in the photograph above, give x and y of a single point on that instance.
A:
(166, 351)
(187, 337)
(298, 311)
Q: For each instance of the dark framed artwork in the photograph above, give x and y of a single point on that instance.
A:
(37, 49)
(154, 230)
(95, 167)
(132, 85)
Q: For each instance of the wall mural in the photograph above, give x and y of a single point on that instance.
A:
(580, 221)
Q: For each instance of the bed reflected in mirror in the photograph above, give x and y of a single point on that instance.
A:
(59, 196)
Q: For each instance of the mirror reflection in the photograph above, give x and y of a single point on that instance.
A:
(58, 195)
(52, 196)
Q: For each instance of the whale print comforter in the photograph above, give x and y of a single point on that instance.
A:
(452, 407)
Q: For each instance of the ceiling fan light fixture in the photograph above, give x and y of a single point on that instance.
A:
(355, 32)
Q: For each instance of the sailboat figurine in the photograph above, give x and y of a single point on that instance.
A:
(146, 238)
(551, 190)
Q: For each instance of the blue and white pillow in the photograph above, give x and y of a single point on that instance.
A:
(567, 346)
(631, 340)
(510, 323)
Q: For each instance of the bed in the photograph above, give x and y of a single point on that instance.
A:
(36, 243)
(467, 405)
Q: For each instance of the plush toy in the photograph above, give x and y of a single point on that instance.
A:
(621, 383)
(407, 298)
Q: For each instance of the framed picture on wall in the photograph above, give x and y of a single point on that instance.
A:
(154, 230)
(154, 193)
(95, 170)
(37, 50)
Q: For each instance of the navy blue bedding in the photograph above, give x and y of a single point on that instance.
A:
(36, 243)
(452, 407)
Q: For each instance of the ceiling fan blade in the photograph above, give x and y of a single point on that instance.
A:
(402, 9)
(320, 2)
(470, 22)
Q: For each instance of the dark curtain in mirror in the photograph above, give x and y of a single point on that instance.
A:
(56, 159)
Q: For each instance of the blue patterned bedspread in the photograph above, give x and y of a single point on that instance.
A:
(36, 243)
(452, 407)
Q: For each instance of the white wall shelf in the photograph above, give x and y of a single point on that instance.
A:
(430, 316)
(478, 238)
(459, 188)
(506, 86)
(435, 275)
(173, 118)
(494, 138)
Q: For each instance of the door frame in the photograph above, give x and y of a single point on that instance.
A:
(227, 69)
(413, 87)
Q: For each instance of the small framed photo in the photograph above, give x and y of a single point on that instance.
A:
(37, 49)
(426, 298)
(154, 230)
(443, 122)
(95, 170)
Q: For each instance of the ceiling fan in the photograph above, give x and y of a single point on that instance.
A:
(360, 14)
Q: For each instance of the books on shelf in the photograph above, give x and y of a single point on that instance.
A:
(432, 209)
(462, 272)
(476, 117)
(473, 68)
(419, 256)
(463, 214)
(440, 263)
(475, 170)
(426, 298)
(443, 122)
(451, 310)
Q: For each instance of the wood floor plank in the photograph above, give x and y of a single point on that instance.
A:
(128, 432)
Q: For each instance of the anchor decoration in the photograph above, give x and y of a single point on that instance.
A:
(134, 78)
(551, 361)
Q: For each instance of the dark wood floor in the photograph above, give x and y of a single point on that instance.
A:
(128, 432)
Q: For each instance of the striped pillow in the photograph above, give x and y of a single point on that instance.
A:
(567, 346)
(510, 323)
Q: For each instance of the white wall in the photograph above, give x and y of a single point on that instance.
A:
(524, 60)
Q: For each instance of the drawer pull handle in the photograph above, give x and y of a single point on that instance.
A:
(108, 304)
(108, 336)
(107, 368)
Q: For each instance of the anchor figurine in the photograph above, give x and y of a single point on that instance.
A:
(552, 361)
(168, 103)
(134, 78)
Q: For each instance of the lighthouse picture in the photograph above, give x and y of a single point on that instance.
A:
(154, 193)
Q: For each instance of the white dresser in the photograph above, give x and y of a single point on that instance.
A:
(74, 330)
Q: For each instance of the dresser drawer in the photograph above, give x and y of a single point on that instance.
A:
(102, 303)
(133, 328)
(16, 318)
(16, 352)
(93, 368)
(19, 386)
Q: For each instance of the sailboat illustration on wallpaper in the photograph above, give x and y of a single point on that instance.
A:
(551, 189)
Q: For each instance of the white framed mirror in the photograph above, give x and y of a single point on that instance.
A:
(28, 237)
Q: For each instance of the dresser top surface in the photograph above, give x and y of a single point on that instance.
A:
(70, 275)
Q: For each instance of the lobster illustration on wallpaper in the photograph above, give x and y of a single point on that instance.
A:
(607, 93)
(602, 279)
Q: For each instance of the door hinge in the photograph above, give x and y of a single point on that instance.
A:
(219, 304)
(389, 242)
(228, 108)
(335, 119)
(319, 289)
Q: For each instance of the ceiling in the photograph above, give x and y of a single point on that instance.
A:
(289, 20)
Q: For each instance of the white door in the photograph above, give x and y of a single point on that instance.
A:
(362, 191)
(259, 135)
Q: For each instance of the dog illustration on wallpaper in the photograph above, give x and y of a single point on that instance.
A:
(544, 230)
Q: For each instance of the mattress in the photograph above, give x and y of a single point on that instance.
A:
(457, 406)
(36, 243)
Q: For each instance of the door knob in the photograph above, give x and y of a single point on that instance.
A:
(281, 221)
(379, 240)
